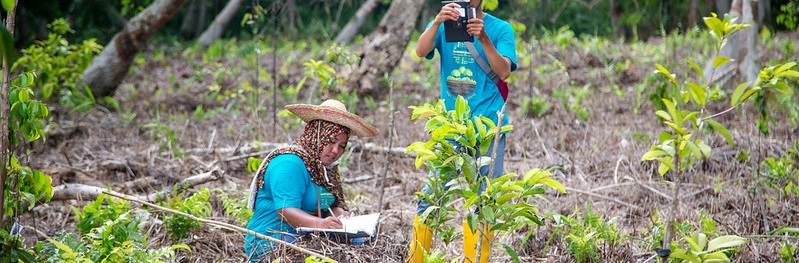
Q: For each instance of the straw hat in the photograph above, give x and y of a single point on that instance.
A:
(334, 111)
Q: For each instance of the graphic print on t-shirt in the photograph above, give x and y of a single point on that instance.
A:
(460, 81)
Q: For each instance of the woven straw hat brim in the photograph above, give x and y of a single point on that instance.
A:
(357, 125)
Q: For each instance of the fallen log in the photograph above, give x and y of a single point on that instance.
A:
(90, 192)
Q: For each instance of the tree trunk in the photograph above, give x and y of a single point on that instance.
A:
(741, 47)
(692, 14)
(221, 21)
(381, 50)
(110, 67)
(722, 7)
(351, 29)
(189, 24)
(5, 144)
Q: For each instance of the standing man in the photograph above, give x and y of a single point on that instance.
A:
(461, 75)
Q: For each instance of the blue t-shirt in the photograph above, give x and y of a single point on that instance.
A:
(287, 184)
(461, 75)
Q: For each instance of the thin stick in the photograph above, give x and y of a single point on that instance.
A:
(543, 146)
(490, 175)
(615, 200)
(390, 144)
(219, 224)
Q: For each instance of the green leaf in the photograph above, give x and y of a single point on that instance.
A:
(666, 72)
(723, 131)
(694, 150)
(685, 256)
(7, 44)
(697, 69)
(724, 242)
(697, 93)
(736, 95)
(716, 257)
(663, 115)
(720, 60)
(784, 67)
(8, 5)
(749, 93)
(511, 252)
(713, 23)
(653, 154)
(662, 168)
(488, 212)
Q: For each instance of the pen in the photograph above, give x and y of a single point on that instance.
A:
(331, 211)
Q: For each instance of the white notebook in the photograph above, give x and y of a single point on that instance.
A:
(354, 226)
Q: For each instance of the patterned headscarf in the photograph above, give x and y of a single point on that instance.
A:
(317, 135)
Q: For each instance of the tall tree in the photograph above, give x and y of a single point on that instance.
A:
(351, 29)
(110, 67)
(381, 50)
(741, 47)
(5, 107)
(221, 21)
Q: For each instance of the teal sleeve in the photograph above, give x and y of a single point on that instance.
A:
(506, 44)
(437, 41)
(288, 181)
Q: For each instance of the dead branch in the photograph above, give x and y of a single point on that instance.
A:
(252, 150)
(615, 200)
(90, 192)
(187, 183)
(216, 223)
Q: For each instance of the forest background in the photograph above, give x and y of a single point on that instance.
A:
(191, 114)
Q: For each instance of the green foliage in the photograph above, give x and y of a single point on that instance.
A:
(572, 100)
(587, 234)
(71, 248)
(314, 259)
(789, 15)
(770, 90)
(26, 115)
(95, 214)
(782, 174)
(703, 250)
(178, 226)
(13, 250)
(502, 205)
(535, 106)
(164, 136)
(107, 232)
(24, 184)
(59, 65)
(235, 205)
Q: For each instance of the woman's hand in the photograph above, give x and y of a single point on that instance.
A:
(330, 222)
(340, 212)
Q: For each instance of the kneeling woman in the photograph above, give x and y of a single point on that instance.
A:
(295, 184)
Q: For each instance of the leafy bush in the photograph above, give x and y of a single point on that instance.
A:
(109, 233)
(235, 205)
(95, 214)
(59, 66)
(586, 233)
(178, 226)
(535, 106)
(503, 205)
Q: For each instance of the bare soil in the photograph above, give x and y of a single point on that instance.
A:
(598, 160)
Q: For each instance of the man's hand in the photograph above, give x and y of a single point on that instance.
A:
(448, 12)
(476, 28)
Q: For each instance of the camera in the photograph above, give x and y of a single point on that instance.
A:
(455, 30)
(467, 12)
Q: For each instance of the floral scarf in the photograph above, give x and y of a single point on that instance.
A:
(317, 134)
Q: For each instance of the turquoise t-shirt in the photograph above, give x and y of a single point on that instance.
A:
(287, 184)
(461, 75)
